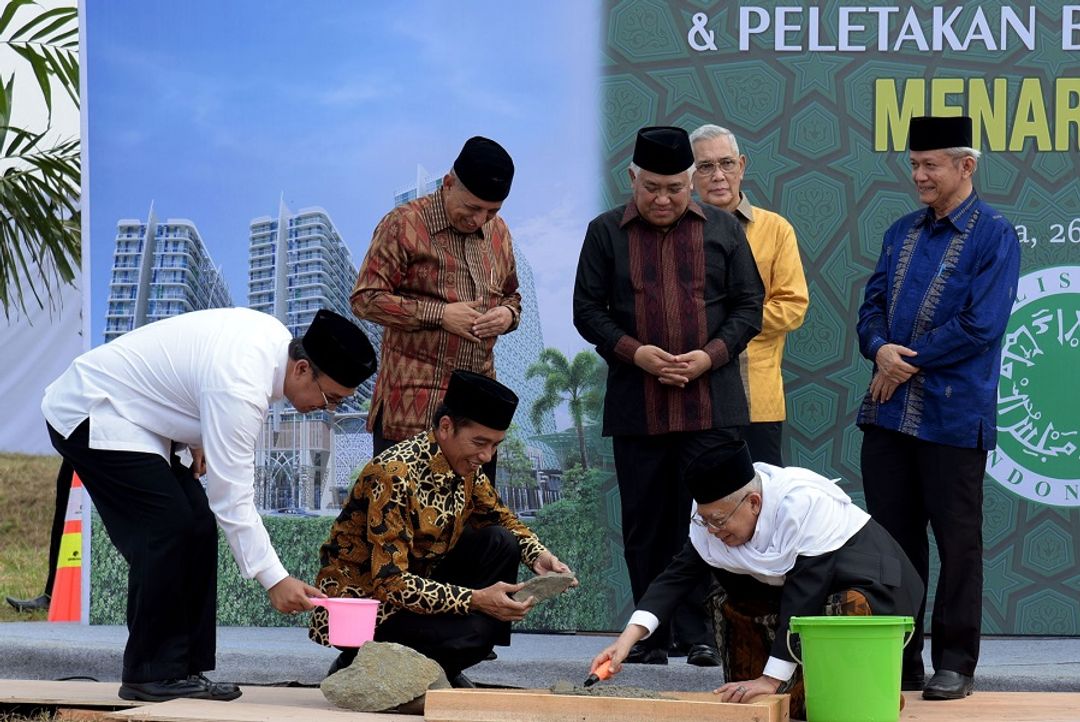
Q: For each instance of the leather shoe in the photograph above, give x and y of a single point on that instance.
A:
(640, 654)
(702, 655)
(912, 682)
(946, 684)
(29, 605)
(218, 690)
(193, 687)
(460, 681)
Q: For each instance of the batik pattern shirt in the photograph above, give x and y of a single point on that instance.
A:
(694, 286)
(405, 512)
(417, 264)
(943, 288)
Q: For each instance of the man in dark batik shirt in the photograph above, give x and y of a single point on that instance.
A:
(669, 293)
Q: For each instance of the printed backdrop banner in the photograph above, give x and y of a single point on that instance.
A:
(316, 136)
(819, 99)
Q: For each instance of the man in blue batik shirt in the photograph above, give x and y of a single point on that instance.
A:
(932, 320)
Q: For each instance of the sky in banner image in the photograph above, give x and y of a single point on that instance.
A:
(214, 111)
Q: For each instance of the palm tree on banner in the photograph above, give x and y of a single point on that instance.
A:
(575, 383)
(40, 176)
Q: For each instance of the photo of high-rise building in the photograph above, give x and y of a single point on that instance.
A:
(160, 269)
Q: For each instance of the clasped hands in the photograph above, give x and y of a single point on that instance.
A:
(892, 370)
(463, 319)
(670, 369)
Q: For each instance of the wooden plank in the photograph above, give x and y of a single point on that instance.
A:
(484, 705)
(74, 693)
(995, 707)
(204, 710)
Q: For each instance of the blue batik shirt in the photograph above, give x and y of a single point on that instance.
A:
(943, 288)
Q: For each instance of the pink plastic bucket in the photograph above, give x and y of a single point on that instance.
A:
(352, 621)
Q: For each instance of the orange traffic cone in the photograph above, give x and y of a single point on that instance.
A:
(67, 589)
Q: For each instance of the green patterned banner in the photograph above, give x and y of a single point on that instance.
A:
(819, 98)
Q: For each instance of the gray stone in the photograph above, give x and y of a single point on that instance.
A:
(545, 587)
(384, 676)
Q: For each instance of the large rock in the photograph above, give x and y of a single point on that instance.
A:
(384, 676)
(545, 587)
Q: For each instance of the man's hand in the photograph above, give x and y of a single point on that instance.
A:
(495, 601)
(881, 388)
(653, 359)
(747, 691)
(198, 462)
(458, 318)
(547, 563)
(493, 322)
(618, 650)
(290, 595)
(687, 367)
(891, 364)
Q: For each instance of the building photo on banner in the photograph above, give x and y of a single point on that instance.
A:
(244, 155)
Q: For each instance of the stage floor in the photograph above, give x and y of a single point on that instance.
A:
(290, 704)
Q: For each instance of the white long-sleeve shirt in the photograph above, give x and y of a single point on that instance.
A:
(205, 379)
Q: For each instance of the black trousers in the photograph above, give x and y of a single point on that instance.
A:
(158, 517)
(481, 558)
(656, 519)
(909, 483)
(380, 443)
(56, 531)
(763, 439)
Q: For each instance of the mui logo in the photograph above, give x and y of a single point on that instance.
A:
(1038, 454)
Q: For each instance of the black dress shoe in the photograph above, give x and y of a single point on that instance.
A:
(29, 605)
(460, 681)
(218, 690)
(912, 682)
(640, 654)
(946, 684)
(193, 687)
(702, 655)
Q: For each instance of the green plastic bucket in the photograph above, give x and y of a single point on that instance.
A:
(851, 666)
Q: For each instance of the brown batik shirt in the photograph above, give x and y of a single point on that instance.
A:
(417, 264)
(405, 512)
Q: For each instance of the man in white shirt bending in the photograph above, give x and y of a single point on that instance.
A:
(204, 380)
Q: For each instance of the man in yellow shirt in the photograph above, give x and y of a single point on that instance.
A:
(718, 174)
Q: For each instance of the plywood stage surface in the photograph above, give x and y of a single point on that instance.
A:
(292, 704)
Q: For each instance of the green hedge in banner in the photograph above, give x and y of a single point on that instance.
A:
(241, 602)
(574, 528)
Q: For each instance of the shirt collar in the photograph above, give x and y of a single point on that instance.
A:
(631, 213)
(437, 221)
(959, 216)
(744, 211)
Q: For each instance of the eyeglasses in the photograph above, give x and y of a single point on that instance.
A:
(715, 525)
(328, 403)
(726, 166)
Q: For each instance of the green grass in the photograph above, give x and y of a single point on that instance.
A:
(27, 495)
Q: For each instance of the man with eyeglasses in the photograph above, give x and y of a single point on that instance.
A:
(718, 174)
(668, 292)
(203, 380)
(782, 542)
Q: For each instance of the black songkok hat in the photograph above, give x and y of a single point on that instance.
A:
(928, 132)
(485, 169)
(339, 349)
(480, 399)
(719, 471)
(663, 149)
